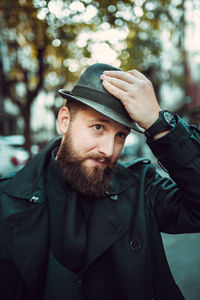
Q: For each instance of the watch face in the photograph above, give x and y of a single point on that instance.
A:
(167, 116)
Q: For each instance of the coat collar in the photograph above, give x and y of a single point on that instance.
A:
(27, 182)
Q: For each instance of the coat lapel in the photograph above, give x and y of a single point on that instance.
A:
(105, 228)
(106, 223)
(28, 242)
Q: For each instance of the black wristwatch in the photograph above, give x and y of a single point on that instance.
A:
(166, 121)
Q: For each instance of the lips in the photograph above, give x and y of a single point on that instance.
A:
(98, 162)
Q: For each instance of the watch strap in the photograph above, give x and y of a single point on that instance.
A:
(160, 125)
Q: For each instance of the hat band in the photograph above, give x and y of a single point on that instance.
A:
(99, 97)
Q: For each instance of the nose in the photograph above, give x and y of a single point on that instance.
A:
(106, 146)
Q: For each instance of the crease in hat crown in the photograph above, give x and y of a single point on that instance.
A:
(90, 91)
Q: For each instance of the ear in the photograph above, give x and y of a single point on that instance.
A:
(63, 119)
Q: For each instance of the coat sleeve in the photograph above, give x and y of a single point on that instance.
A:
(177, 205)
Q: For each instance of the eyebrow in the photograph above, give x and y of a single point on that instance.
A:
(108, 122)
(100, 120)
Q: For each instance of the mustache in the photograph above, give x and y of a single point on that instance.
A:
(100, 158)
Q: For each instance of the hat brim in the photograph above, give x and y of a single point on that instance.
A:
(104, 110)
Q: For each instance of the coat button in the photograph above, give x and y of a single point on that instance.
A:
(79, 281)
(114, 197)
(135, 244)
(34, 199)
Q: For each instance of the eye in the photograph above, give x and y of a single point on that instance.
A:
(122, 135)
(98, 127)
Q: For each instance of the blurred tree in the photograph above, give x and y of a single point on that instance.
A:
(145, 42)
(49, 42)
(23, 35)
(35, 58)
(156, 43)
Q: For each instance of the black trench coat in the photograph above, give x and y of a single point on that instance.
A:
(125, 257)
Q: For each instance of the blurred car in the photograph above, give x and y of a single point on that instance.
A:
(13, 156)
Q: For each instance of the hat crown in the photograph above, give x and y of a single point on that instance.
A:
(90, 87)
(90, 79)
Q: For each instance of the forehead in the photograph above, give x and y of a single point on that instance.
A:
(90, 115)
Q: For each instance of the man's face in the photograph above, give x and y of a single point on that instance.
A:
(89, 151)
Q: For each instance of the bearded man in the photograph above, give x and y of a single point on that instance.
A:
(76, 224)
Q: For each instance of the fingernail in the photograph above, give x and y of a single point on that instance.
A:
(105, 82)
(106, 72)
(102, 76)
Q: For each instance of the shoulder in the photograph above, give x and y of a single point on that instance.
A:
(4, 179)
(140, 162)
(8, 176)
(9, 204)
(140, 166)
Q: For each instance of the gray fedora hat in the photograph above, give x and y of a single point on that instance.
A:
(90, 91)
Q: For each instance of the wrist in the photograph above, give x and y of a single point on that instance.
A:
(161, 126)
(148, 123)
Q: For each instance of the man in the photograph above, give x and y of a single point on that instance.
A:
(77, 225)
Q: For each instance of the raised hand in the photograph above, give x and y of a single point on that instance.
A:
(135, 92)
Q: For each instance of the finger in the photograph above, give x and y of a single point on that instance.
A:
(128, 77)
(137, 74)
(113, 90)
(121, 84)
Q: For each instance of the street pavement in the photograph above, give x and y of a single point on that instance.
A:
(183, 255)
